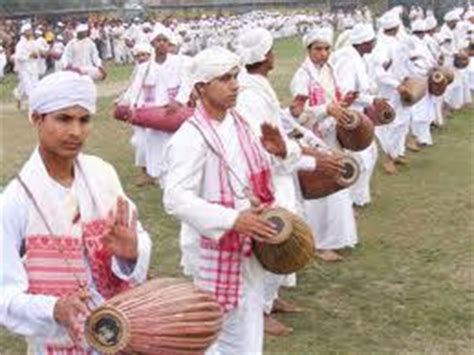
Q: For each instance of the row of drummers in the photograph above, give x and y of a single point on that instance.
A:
(330, 123)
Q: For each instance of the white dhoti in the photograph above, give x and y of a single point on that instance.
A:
(27, 82)
(332, 220)
(138, 141)
(454, 95)
(154, 151)
(470, 70)
(242, 332)
(392, 137)
(467, 99)
(360, 191)
(421, 117)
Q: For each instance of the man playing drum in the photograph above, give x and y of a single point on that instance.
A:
(70, 237)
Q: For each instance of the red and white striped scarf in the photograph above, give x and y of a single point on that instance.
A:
(220, 264)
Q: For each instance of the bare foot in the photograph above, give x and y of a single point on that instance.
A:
(413, 146)
(144, 179)
(402, 161)
(282, 306)
(329, 256)
(389, 167)
(274, 327)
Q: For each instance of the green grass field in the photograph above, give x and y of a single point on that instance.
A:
(408, 286)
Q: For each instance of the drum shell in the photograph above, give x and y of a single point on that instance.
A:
(160, 119)
(161, 316)
(293, 253)
(122, 112)
(380, 114)
(315, 184)
(359, 137)
(413, 90)
(448, 73)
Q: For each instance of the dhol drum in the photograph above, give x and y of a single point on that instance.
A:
(316, 184)
(413, 90)
(437, 82)
(461, 60)
(380, 113)
(357, 135)
(447, 72)
(294, 247)
(162, 316)
(155, 117)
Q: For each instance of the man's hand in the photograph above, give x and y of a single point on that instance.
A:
(339, 113)
(71, 311)
(349, 98)
(172, 107)
(121, 239)
(272, 140)
(297, 106)
(251, 222)
(34, 55)
(329, 164)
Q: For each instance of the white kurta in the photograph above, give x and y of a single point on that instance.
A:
(258, 103)
(185, 185)
(331, 218)
(26, 66)
(83, 55)
(43, 46)
(28, 314)
(352, 75)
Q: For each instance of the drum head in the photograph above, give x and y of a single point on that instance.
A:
(279, 218)
(107, 330)
(351, 171)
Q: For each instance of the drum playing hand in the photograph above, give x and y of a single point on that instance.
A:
(121, 238)
(297, 106)
(339, 113)
(71, 311)
(349, 98)
(251, 222)
(379, 102)
(172, 107)
(329, 164)
(272, 140)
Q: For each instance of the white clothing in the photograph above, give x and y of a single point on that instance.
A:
(26, 66)
(82, 55)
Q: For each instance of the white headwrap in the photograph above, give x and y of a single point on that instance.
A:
(418, 26)
(452, 15)
(210, 64)
(161, 30)
(389, 20)
(431, 23)
(82, 27)
(142, 47)
(362, 33)
(254, 45)
(321, 34)
(63, 89)
(25, 27)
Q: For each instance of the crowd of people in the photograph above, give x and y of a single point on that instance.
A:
(237, 154)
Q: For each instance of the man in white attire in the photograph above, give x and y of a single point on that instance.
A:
(332, 217)
(65, 209)
(217, 182)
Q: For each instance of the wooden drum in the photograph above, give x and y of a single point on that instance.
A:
(315, 184)
(294, 247)
(380, 113)
(162, 316)
(413, 90)
(461, 60)
(437, 83)
(358, 135)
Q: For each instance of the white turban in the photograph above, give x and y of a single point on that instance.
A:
(418, 26)
(389, 20)
(431, 23)
(254, 45)
(321, 34)
(142, 47)
(362, 33)
(82, 27)
(210, 64)
(25, 27)
(452, 15)
(63, 89)
(161, 30)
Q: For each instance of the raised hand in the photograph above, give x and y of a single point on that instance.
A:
(121, 237)
(272, 140)
(349, 98)
(297, 106)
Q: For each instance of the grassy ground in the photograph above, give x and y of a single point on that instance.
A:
(408, 286)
